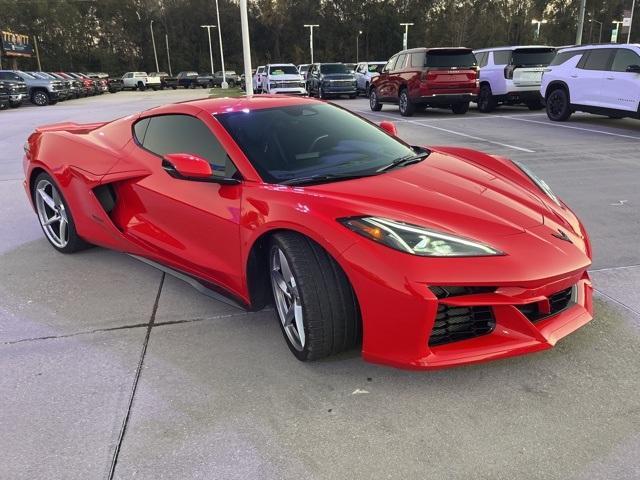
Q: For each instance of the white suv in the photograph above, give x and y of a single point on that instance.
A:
(257, 79)
(601, 79)
(512, 75)
(365, 71)
(283, 78)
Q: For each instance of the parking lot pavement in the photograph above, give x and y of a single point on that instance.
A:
(218, 394)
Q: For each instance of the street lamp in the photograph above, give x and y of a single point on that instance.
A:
(599, 23)
(209, 27)
(153, 40)
(633, 7)
(538, 23)
(166, 39)
(405, 40)
(358, 46)
(224, 83)
(311, 27)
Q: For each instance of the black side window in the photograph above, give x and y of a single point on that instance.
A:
(140, 129)
(502, 57)
(400, 63)
(597, 59)
(562, 57)
(186, 134)
(624, 58)
(482, 58)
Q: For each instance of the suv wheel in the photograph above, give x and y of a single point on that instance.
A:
(15, 104)
(374, 103)
(404, 103)
(321, 93)
(40, 98)
(558, 108)
(486, 101)
(460, 108)
(141, 87)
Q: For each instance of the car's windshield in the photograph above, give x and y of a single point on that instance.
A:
(533, 56)
(450, 58)
(27, 75)
(286, 143)
(304, 68)
(333, 68)
(283, 70)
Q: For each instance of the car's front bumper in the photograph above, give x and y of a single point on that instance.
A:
(288, 91)
(508, 310)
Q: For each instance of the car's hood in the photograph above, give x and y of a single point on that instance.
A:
(443, 192)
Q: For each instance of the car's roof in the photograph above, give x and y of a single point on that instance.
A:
(434, 49)
(514, 47)
(598, 45)
(255, 102)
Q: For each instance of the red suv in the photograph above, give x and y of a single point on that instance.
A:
(427, 77)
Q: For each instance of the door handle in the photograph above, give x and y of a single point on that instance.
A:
(610, 78)
(573, 76)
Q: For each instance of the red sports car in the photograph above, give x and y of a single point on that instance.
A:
(428, 257)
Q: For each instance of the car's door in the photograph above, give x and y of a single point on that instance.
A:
(395, 76)
(383, 80)
(587, 80)
(621, 89)
(127, 80)
(361, 71)
(192, 225)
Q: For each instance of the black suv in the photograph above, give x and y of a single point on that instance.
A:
(331, 79)
(187, 79)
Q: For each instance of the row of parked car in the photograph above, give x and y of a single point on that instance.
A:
(48, 88)
(186, 79)
(602, 79)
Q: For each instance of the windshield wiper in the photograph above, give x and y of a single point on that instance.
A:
(404, 161)
(324, 177)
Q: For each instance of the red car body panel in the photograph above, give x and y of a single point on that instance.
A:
(208, 230)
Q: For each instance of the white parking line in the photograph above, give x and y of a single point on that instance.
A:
(453, 132)
(590, 130)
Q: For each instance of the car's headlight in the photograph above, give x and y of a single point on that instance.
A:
(541, 184)
(416, 240)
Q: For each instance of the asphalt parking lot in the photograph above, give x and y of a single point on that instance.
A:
(219, 396)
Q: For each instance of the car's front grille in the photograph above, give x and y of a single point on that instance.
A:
(454, 323)
(286, 83)
(461, 323)
(342, 83)
(557, 303)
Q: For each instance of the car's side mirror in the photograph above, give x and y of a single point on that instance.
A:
(389, 127)
(633, 69)
(187, 166)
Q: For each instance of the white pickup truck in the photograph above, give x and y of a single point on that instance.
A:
(141, 81)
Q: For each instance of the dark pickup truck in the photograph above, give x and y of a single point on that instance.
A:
(113, 84)
(16, 88)
(187, 79)
(166, 80)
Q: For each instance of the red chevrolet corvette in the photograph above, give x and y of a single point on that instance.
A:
(430, 257)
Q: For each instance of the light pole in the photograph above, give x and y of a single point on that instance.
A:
(538, 23)
(405, 39)
(35, 44)
(358, 46)
(153, 40)
(633, 7)
(614, 36)
(600, 36)
(209, 27)
(246, 48)
(311, 27)
(224, 83)
(583, 6)
(166, 39)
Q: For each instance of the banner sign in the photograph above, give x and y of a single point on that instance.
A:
(15, 45)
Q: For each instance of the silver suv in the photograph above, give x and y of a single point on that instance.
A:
(41, 91)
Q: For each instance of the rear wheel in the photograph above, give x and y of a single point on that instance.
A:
(460, 108)
(374, 102)
(55, 216)
(558, 108)
(407, 108)
(314, 301)
(486, 101)
(15, 104)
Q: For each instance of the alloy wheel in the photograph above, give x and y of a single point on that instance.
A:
(403, 102)
(373, 99)
(40, 98)
(52, 213)
(287, 299)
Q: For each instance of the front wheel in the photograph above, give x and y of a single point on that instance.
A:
(40, 98)
(374, 102)
(460, 108)
(558, 108)
(315, 304)
(55, 216)
(15, 104)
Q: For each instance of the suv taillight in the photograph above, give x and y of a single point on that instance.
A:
(508, 71)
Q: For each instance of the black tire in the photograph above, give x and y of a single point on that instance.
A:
(141, 87)
(232, 84)
(486, 101)
(366, 89)
(374, 102)
(174, 87)
(15, 104)
(460, 108)
(535, 105)
(329, 307)
(407, 108)
(558, 107)
(353, 95)
(40, 98)
(75, 242)
(321, 94)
